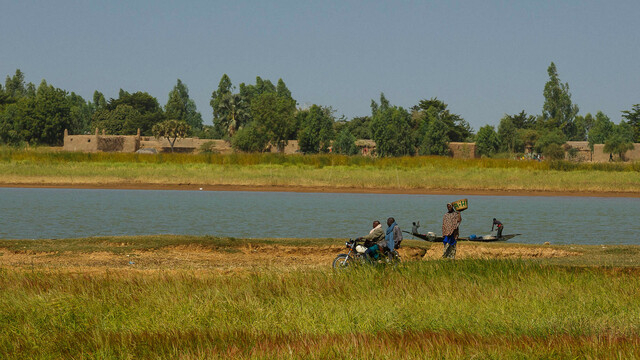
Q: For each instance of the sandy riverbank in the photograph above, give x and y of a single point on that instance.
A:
(230, 255)
(316, 189)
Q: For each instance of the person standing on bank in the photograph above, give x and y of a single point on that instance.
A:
(393, 236)
(450, 224)
(499, 225)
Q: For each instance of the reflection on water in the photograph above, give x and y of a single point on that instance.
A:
(63, 213)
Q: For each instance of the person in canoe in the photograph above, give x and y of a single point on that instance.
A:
(450, 224)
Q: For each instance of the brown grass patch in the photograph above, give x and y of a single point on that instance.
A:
(472, 251)
(402, 345)
(251, 256)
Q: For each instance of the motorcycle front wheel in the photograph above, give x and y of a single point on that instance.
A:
(342, 261)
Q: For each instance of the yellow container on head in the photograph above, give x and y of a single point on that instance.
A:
(460, 205)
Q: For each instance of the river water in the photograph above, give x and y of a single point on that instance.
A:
(65, 213)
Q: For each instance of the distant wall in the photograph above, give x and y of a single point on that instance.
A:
(84, 143)
(186, 145)
(116, 143)
(461, 150)
(458, 150)
(291, 148)
(599, 155)
(105, 143)
(583, 152)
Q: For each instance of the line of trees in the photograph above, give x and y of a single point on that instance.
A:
(254, 117)
(559, 123)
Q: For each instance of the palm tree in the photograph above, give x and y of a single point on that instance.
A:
(236, 112)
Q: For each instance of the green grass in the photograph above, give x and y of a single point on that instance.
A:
(328, 171)
(465, 308)
(46, 156)
(426, 309)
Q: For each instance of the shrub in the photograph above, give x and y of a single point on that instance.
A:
(250, 139)
(553, 152)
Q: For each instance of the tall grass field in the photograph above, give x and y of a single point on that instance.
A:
(440, 309)
(473, 308)
(42, 167)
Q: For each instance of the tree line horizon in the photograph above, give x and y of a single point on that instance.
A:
(254, 116)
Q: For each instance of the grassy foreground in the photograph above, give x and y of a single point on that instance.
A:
(572, 306)
(40, 167)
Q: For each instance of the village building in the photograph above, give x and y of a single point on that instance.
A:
(574, 150)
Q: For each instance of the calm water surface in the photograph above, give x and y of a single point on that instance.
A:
(64, 213)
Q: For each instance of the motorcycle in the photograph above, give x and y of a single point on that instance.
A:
(356, 256)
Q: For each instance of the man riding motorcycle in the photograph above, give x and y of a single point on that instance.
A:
(374, 242)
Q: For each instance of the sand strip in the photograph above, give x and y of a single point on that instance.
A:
(303, 189)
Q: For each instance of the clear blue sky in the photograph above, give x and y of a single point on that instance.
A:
(483, 58)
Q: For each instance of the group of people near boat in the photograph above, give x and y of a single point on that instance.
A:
(381, 243)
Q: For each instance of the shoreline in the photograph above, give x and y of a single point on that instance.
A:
(327, 189)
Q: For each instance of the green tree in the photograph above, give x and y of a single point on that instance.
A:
(553, 151)
(171, 130)
(620, 140)
(30, 90)
(224, 87)
(582, 126)
(316, 130)
(616, 145)
(235, 113)
(114, 122)
(549, 137)
(558, 112)
(487, 140)
(507, 134)
(633, 119)
(15, 86)
(390, 129)
(125, 121)
(220, 115)
(181, 107)
(601, 129)
(141, 101)
(282, 90)
(526, 138)
(144, 122)
(522, 120)
(207, 132)
(436, 136)
(175, 108)
(34, 116)
(458, 129)
(11, 126)
(99, 101)
(360, 127)
(46, 116)
(274, 115)
(80, 112)
(251, 92)
(345, 143)
(250, 138)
